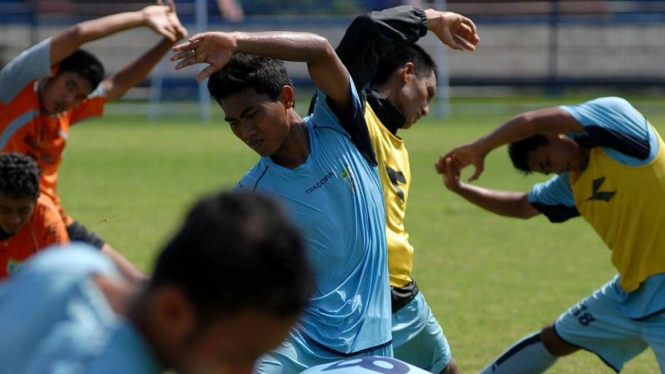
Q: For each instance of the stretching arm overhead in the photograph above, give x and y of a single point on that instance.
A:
(119, 83)
(543, 121)
(375, 35)
(216, 48)
(158, 17)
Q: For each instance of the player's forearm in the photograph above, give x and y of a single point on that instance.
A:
(131, 75)
(516, 128)
(68, 41)
(287, 46)
(105, 26)
(542, 121)
(504, 203)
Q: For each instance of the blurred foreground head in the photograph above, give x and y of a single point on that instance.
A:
(231, 283)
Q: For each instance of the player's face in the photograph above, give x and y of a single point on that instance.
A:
(560, 155)
(15, 212)
(257, 120)
(63, 92)
(415, 96)
(233, 345)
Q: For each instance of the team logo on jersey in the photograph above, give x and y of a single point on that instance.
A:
(396, 177)
(597, 194)
(326, 178)
(347, 176)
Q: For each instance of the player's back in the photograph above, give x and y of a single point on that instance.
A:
(51, 315)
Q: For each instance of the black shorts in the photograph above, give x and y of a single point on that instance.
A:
(79, 233)
(400, 296)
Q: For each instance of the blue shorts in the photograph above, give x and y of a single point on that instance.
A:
(597, 325)
(417, 337)
(297, 353)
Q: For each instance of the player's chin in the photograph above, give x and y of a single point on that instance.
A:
(408, 123)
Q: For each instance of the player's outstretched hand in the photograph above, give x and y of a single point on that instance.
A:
(462, 156)
(454, 30)
(451, 173)
(163, 20)
(212, 48)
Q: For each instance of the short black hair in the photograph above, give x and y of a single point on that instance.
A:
(237, 251)
(423, 64)
(519, 151)
(19, 176)
(84, 64)
(265, 75)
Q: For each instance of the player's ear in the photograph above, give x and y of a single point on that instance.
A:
(173, 313)
(287, 96)
(407, 72)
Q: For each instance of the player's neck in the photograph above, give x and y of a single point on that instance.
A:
(390, 89)
(295, 149)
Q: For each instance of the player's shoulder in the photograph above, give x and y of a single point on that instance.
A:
(45, 202)
(602, 105)
(367, 365)
(251, 179)
(45, 210)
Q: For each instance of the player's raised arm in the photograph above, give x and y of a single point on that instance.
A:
(454, 30)
(128, 77)
(542, 121)
(375, 35)
(504, 203)
(156, 17)
(216, 48)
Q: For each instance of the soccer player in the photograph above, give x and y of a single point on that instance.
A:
(399, 78)
(324, 170)
(28, 222)
(366, 365)
(610, 169)
(225, 289)
(54, 85)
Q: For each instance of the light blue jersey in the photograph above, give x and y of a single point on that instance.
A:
(625, 135)
(55, 320)
(335, 198)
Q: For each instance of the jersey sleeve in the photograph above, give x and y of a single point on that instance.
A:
(613, 123)
(31, 64)
(554, 199)
(51, 228)
(375, 35)
(92, 106)
(350, 122)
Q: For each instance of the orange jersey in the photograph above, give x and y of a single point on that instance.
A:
(25, 129)
(44, 228)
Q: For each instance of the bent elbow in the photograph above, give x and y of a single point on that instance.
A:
(75, 35)
(325, 49)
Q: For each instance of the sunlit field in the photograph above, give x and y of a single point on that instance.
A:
(490, 280)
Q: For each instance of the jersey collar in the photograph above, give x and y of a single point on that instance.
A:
(391, 117)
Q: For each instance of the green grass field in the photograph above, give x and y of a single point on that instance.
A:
(490, 280)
